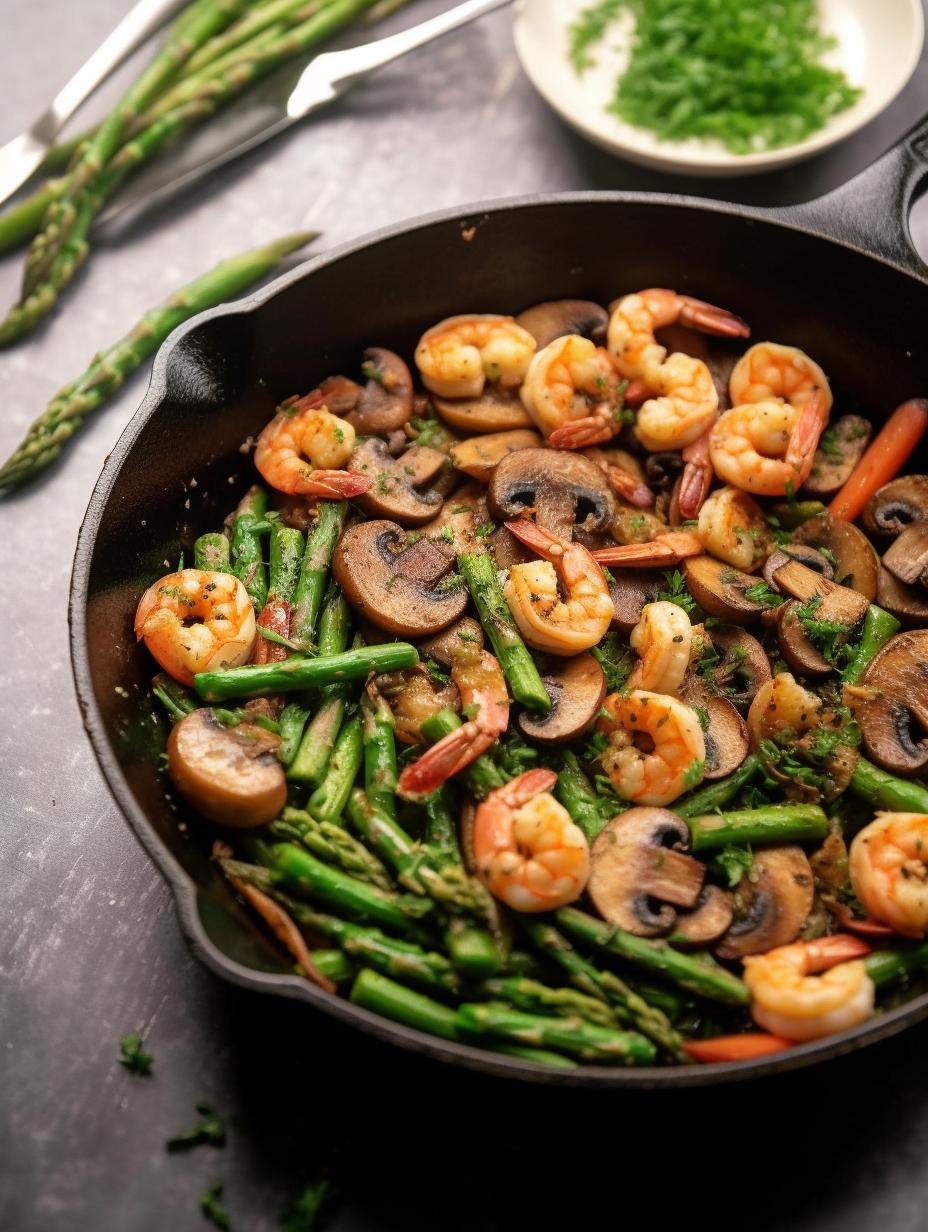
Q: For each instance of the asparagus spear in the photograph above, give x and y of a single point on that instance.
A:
(332, 843)
(378, 727)
(297, 870)
(309, 765)
(710, 981)
(329, 799)
(775, 823)
(76, 401)
(886, 966)
(533, 997)
(879, 626)
(254, 21)
(335, 965)
(22, 221)
(885, 791)
(716, 795)
(571, 1035)
(176, 700)
(286, 555)
(574, 791)
(247, 553)
(479, 572)
(211, 552)
(258, 679)
(314, 571)
(292, 723)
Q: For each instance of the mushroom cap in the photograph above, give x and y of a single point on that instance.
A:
(856, 562)
(496, 410)
(907, 557)
(896, 505)
(707, 921)
(744, 666)
(576, 690)
(478, 456)
(776, 899)
(909, 604)
(847, 439)
(725, 735)
(230, 775)
(385, 402)
(630, 591)
(896, 715)
(798, 651)
(565, 489)
(636, 877)
(837, 602)
(398, 489)
(719, 589)
(394, 586)
(556, 318)
(811, 557)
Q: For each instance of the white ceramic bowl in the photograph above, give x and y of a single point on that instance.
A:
(879, 43)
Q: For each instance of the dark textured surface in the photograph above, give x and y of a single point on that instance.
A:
(90, 946)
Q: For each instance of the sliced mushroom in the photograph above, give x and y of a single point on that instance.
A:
(478, 456)
(496, 410)
(398, 488)
(557, 317)
(385, 402)
(773, 903)
(909, 604)
(443, 645)
(630, 591)
(719, 589)
(230, 775)
(396, 587)
(743, 668)
(507, 550)
(812, 558)
(891, 704)
(708, 920)
(896, 505)
(724, 731)
(797, 649)
(636, 876)
(453, 530)
(856, 563)
(837, 602)
(565, 490)
(576, 690)
(907, 557)
(842, 449)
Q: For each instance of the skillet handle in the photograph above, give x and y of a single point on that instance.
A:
(871, 211)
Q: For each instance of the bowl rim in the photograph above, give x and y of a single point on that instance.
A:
(182, 886)
(709, 161)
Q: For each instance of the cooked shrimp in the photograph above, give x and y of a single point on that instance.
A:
(656, 747)
(196, 621)
(662, 639)
(571, 390)
(459, 355)
(304, 430)
(732, 528)
(666, 550)
(783, 705)
(413, 697)
(889, 871)
(545, 620)
(482, 687)
(811, 988)
(623, 474)
(781, 400)
(696, 479)
(686, 400)
(528, 851)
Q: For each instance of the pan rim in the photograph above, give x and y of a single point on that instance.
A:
(184, 890)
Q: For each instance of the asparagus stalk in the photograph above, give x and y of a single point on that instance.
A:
(626, 1004)
(176, 700)
(329, 799)
(297, 870)
(716, 795)
(878, 627)
(332, 843)
(22, 221)
(479, 572)
(540, 1056)
(254, 21)
(312, 759)
(258, 679)
(335, 965)
(292, 720)
(247, 553)
(533, 997)
(67, 411)
(710, 981)
(378, 727)
(886, 966)
(574, 1036)
(574, 790)
(314, 571)
(775, 823)
(885, 791)
(211, 552)
(286, 555)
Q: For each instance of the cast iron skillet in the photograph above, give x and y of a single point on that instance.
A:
(837, 277)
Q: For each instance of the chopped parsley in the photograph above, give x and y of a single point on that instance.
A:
(675, 592)
(735, 862)
(436, 673)
(339, 436)
(211, 1208)
(484, 530)
(761, 593)
(694, 773)
(827, 636)
(209, 1130)
(304, 1212)
(607, 574)
(448, 585)
(615, 660)
(132, 1056)
(391, 581)
(447, 534)
(430, 432)
(374, 372)
(703, 715)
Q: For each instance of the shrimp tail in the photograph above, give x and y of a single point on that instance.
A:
(443, 760)
(334, 485)
(669, 549)
(696, 479)
(526, 787)
(826, 952)
(633, 490)
(537, 538)
(638, 391)
(804, 439)
(579, 433)
(709, 319)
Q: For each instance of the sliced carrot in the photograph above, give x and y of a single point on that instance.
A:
(735, 1047)
(887, 454)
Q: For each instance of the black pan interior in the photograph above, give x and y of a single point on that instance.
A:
(179, 467)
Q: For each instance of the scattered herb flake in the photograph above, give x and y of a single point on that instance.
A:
(211, 1208)
(209, 1130)
(133, 1057)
